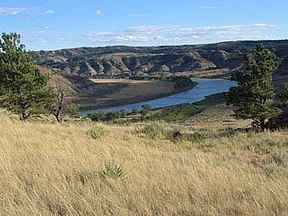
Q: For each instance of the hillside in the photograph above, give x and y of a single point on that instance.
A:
(210, 60)
(140, 169)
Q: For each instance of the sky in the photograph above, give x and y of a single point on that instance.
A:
(58, 24)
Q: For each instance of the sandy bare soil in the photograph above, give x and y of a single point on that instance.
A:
(125, 81)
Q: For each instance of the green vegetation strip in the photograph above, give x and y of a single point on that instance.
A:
(184, 111)
(178, 113)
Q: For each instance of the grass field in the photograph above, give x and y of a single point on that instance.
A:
(83, 168)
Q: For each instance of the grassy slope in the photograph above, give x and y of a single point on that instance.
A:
(51, 169)
(182, 112)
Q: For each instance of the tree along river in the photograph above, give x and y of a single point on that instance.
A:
(204, 88)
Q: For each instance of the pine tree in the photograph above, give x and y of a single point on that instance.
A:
(283, 96)
(255, 88)
(22, 87)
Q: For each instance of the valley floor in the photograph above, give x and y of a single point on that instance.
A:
(82, 168)
(115, 92)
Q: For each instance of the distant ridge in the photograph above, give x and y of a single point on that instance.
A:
(126, 60)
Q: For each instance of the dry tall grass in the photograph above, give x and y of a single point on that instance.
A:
(50, 169)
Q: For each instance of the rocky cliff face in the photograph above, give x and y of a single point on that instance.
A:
(122, 63)
(119, 60)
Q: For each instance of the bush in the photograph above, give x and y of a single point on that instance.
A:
(111, 116)
(123, 113)
(96, 132)
(145, 109)
(153, 130)
(228, 132)
(260, 147)
(198, 136)
(176, 135)
(181, 81)
(134, 111)
(279, 157)
(73, 110)
(96, 116)
(107, 116)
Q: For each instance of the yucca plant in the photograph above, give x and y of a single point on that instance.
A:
(113, 171)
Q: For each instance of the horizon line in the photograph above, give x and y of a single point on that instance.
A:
(164, 45)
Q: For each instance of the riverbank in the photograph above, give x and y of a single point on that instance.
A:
(204, 88)
(117, 92)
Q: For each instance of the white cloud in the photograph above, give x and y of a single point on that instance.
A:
(49, 12)
(35, 39)
(15, 10)
(198, 30)
(247, 37)
(112, 37)
(150, 29)
(43, 30)
(160, 39)
(101, 37)
(132, 38)
(18, 10)
(150, 34)
(99, 13)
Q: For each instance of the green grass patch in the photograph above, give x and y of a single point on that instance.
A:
(96, 132)
(153, 131)
(182, 112)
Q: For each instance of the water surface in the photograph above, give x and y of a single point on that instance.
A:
(204, 88)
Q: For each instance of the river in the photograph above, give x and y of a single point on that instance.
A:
(204, 88)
